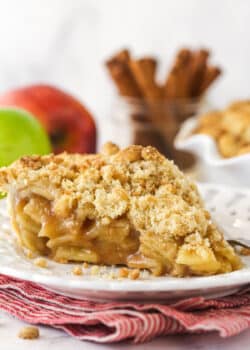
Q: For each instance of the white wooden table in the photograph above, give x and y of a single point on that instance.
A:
(58, 340)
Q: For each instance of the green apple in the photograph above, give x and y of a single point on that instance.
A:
(20, 134)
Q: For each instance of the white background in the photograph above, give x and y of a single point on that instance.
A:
(65, 42)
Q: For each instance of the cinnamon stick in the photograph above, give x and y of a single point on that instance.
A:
(143, 76)
(118, 67)
(198, 69)
(123, 56)
(149, 66)
(211, 74)
(178, 82)
(184, 60)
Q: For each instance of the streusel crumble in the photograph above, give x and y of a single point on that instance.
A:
(128, 207)
(29, 332)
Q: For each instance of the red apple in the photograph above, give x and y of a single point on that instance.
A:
(69, 125)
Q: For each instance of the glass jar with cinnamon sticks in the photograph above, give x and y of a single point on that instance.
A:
(149, 113)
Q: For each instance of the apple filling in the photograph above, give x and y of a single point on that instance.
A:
(113, 242)
(110, 242)
(40, 230)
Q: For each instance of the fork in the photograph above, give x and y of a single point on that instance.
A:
(236, 231)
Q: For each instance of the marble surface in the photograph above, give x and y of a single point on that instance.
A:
(58, 340)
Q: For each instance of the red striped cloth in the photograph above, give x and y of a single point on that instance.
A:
(116, 321)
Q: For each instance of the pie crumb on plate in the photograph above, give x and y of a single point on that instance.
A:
(29, 333)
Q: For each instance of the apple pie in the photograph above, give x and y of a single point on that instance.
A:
(128, 207)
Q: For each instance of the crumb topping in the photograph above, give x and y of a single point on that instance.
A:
(41, 262)
(29, 333)
(138, 182)
(134, 274)
(77, 271)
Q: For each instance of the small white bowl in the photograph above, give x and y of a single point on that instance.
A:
(211, 167)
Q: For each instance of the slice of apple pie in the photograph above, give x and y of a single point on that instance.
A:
(129, 207)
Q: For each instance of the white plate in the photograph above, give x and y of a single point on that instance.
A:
(211, 166)
(223, 202)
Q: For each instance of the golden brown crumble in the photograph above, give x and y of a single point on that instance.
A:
(41, 262)
(77, 271)
(134, 274)
(107, 187)
(29, 333)
(109, 149)
(129, 207)
(123, 272)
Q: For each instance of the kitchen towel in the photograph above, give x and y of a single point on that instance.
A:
(109, 322)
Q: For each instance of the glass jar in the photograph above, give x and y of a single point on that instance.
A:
(134, 121)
